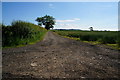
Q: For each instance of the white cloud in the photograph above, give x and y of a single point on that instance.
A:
(83, 27)
(51, 5)
(68, 20)
(64, 20)
(76, 19)
(66, 26)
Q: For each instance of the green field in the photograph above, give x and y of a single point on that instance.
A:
(21, 33)
(102, 37)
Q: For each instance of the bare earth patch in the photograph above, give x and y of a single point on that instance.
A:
(58, 57)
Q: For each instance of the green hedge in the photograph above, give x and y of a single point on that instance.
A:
(21, 33)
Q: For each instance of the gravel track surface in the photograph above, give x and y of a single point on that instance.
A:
(59, 57)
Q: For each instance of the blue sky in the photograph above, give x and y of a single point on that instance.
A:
(68, 15)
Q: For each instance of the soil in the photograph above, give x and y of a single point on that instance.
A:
(59, 57)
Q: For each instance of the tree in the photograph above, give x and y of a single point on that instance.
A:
(47, 21)
(91, 28)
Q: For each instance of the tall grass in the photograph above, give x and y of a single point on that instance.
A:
(105, 37)
(21, 33)
(118, 39)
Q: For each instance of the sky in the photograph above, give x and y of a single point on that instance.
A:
(68, 15)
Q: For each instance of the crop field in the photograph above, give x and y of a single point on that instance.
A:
(103, 37)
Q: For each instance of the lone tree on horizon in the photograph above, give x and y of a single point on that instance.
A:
(47, 21)
(91, 28)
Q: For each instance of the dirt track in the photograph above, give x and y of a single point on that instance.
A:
(58, 57)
